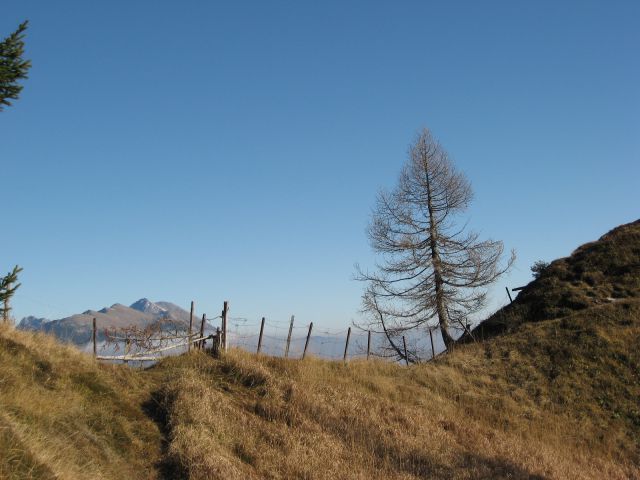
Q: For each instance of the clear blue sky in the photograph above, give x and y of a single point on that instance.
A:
(192, 150)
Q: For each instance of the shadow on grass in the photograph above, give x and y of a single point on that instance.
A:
(168, 468)
(496, 468)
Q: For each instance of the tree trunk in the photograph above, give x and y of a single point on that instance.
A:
(443, 319)
(441, 308)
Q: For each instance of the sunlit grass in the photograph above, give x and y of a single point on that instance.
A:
(555, 395)
(525, 406)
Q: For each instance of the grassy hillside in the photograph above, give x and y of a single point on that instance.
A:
(556, 395)
(558, 399)
(555, 400)
(64, 416)
(596, 273)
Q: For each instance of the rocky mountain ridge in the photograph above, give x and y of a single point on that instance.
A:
(78, 328)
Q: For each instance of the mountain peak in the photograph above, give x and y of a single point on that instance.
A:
(32, 323)
(147, 306)
(144, 312)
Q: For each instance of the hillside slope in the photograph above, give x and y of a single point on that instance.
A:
(555, 395)
(556, 400)
(63, 416)
(596, 273)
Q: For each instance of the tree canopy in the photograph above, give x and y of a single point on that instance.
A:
(433, 271)
(13, 67)
(8, 286)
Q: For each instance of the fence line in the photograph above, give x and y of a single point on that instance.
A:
(281, 338)
(142, 357)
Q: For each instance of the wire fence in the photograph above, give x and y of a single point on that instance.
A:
(274, 337)
(288, 338)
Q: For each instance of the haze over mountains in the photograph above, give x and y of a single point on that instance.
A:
(77, 329)
(142, 313)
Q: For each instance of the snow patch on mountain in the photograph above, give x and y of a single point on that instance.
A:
(147, 306)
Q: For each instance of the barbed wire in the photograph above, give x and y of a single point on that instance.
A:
(325, 342)
(271, 337)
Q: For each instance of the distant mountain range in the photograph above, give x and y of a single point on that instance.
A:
(78, 328)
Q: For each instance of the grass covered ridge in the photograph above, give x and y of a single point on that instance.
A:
(553, 392)
(596, 273)
(557, 400)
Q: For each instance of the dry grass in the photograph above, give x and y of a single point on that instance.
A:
(63, 416)
(557, 399)
(596, 273)
(500, 410)
(555, 396)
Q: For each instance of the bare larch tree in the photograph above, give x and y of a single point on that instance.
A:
(433, 271)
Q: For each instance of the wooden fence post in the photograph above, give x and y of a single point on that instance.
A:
(346, 345)
(215, 346)
(260, 337)
(190, 327)
(93, 337)
(127, 347)
(433, 352)
(306, 343)
(201, 342)
(406, 357)
(225, 312)
(222, 329)
(368, 344)
(509, 294)
(286, 350)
